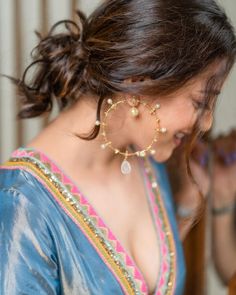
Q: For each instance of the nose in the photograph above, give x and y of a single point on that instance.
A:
(206, 121)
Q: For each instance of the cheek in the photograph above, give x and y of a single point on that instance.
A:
(145, 133)
(183, 120)
(178, 114)
(163, 152)
(147, 128)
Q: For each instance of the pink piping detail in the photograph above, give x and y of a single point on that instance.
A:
(165, 266)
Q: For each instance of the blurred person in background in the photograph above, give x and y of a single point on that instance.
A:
(213, 163)
(224, 205)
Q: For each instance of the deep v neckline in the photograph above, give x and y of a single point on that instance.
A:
(101, 231)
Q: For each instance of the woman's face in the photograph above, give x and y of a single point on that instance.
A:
(178, 114)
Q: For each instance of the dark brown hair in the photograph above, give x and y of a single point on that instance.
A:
(167, 41)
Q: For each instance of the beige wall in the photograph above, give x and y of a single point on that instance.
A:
(18, 21)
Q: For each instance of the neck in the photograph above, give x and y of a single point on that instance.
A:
(87, 155)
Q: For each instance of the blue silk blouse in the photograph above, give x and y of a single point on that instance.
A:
(53, 242)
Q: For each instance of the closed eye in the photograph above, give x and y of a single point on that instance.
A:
(201, 105)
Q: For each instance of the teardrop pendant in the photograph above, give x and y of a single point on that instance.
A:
(125, 167)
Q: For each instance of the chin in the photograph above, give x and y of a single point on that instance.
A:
(163, 156)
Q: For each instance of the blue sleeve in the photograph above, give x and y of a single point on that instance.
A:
(28, 264)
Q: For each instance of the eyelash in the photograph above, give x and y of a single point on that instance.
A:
(201, 105)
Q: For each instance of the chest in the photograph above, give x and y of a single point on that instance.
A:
(127, 211)
(135, 226)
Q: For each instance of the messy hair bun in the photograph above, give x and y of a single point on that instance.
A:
(61, 60)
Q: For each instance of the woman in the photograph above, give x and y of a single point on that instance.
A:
(136, 78)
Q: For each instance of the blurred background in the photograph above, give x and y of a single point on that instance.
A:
(18, 21)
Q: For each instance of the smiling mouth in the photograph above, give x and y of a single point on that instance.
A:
(179, 137)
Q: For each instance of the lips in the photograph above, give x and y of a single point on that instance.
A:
(178, 138)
